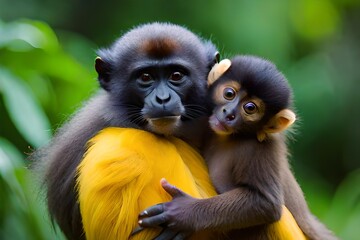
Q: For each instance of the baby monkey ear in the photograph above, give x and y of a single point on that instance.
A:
(280, 122)
(217, 70)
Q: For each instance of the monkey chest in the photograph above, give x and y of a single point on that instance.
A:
(221, 173)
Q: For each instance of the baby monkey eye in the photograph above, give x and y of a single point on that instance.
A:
(229, 93)
(176, 76)
(250, 107)
(145, 77)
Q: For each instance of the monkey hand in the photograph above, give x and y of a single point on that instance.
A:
(175, 215)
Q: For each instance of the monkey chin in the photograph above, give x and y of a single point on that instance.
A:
(219, 127)
(164, 125)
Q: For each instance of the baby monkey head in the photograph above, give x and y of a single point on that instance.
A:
(250, 97)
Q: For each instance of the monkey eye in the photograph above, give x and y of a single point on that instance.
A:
(176, 76)
(250, 107)
(229, 93)
(146, 77)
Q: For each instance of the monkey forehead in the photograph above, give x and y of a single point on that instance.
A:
(224, 83)
(261, 78)
(160, 40)
(159, 47)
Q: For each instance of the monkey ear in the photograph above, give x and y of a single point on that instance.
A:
(103, 70)
(281, 121)
(216, 57)
(218, 70)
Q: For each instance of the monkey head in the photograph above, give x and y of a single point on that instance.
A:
(250, 97)
(155, 76)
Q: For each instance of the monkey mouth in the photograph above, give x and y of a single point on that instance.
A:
(218, 126)
(164, 125)
(163, 121)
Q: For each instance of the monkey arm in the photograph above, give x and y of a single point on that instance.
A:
(235, 209)
(254, 198)
(201, 213)
(295, 201)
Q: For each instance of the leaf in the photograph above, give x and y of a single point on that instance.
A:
(22, 213)
(10, 150)
(10, 160)
(25, 35)
(24, 111)
(345, 202)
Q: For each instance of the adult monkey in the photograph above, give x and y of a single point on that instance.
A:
(152, 78)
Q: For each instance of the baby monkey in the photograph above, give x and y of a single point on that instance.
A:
(247, 160)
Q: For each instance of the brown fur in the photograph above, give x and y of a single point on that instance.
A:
(250, 173)
(266, 181)
(249, 167)
(159, 47)
(247, 174)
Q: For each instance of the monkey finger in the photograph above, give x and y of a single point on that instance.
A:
(167, 234)
(136, 231)
(182, 236)
(152, 211)
(171, 189)
(153, 221)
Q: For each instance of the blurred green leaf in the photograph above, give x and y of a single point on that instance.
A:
(12, 152)
(81, 48)
(314, 20)
(345, 208)
(10, 159)
(26, 34)
(22, 215)
(316, 190)
(313, 87)
(23, 109)
(351, 230)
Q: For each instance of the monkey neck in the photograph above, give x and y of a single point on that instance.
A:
(243, 135)
(246, 136)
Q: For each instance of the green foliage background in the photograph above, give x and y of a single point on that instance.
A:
(47, 49)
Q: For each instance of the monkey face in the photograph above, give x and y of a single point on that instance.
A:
(251, 97)
(235, 110)
(162, 92)
(156, 77)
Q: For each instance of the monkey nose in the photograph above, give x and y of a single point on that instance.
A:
(163, 99)
(230, 117)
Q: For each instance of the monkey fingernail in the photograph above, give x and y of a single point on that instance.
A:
(144, 214)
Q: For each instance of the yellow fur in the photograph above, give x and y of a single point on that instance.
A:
(286, 228)
(120, 176)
